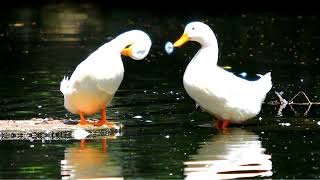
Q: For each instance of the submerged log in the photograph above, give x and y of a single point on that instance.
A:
(49, 129)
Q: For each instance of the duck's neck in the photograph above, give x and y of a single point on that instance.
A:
(210, 40)
(208, 54)
(123, 40)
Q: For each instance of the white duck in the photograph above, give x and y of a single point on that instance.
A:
(219, 92)
(96, 79)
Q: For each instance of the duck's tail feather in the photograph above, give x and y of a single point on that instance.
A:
(64, 85)
(265, 83)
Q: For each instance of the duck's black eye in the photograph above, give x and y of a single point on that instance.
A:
(192, 28)
(128, 46)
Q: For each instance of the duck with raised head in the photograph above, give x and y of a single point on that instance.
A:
(229, 98)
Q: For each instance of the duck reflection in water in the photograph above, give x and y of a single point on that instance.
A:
(236, 154)
(89, 161)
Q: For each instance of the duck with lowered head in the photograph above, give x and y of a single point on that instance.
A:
(95, 80)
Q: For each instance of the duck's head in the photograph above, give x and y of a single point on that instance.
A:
(138, 44)
(196, 31)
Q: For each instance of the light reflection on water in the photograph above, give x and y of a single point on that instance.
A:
(237, 153)
(234, 154)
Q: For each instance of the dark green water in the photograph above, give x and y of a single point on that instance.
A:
(41, 44)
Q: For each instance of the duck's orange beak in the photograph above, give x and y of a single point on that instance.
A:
(127, 51)
(183, 39)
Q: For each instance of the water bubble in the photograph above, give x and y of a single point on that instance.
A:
(137, 117)
(168, 47)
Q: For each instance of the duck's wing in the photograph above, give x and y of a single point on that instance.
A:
(264, 84)
(225, 84)
(235, 90)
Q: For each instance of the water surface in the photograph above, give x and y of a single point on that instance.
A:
(164, 137)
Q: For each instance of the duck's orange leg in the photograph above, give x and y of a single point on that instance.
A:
(83, 121)
(82, 144)
(218, 124)
(225, 124)
(103, 121)
(222, 124)
(104, 145)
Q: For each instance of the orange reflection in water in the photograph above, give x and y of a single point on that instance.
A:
(89, 161)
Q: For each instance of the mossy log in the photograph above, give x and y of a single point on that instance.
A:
(50, 129)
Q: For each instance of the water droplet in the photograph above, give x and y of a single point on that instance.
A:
(168, 47)
(167, 136)
(243, 74)
(137, 117)
(284, 124)
(63, 162)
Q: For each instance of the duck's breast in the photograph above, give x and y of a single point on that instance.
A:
(87, 97)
